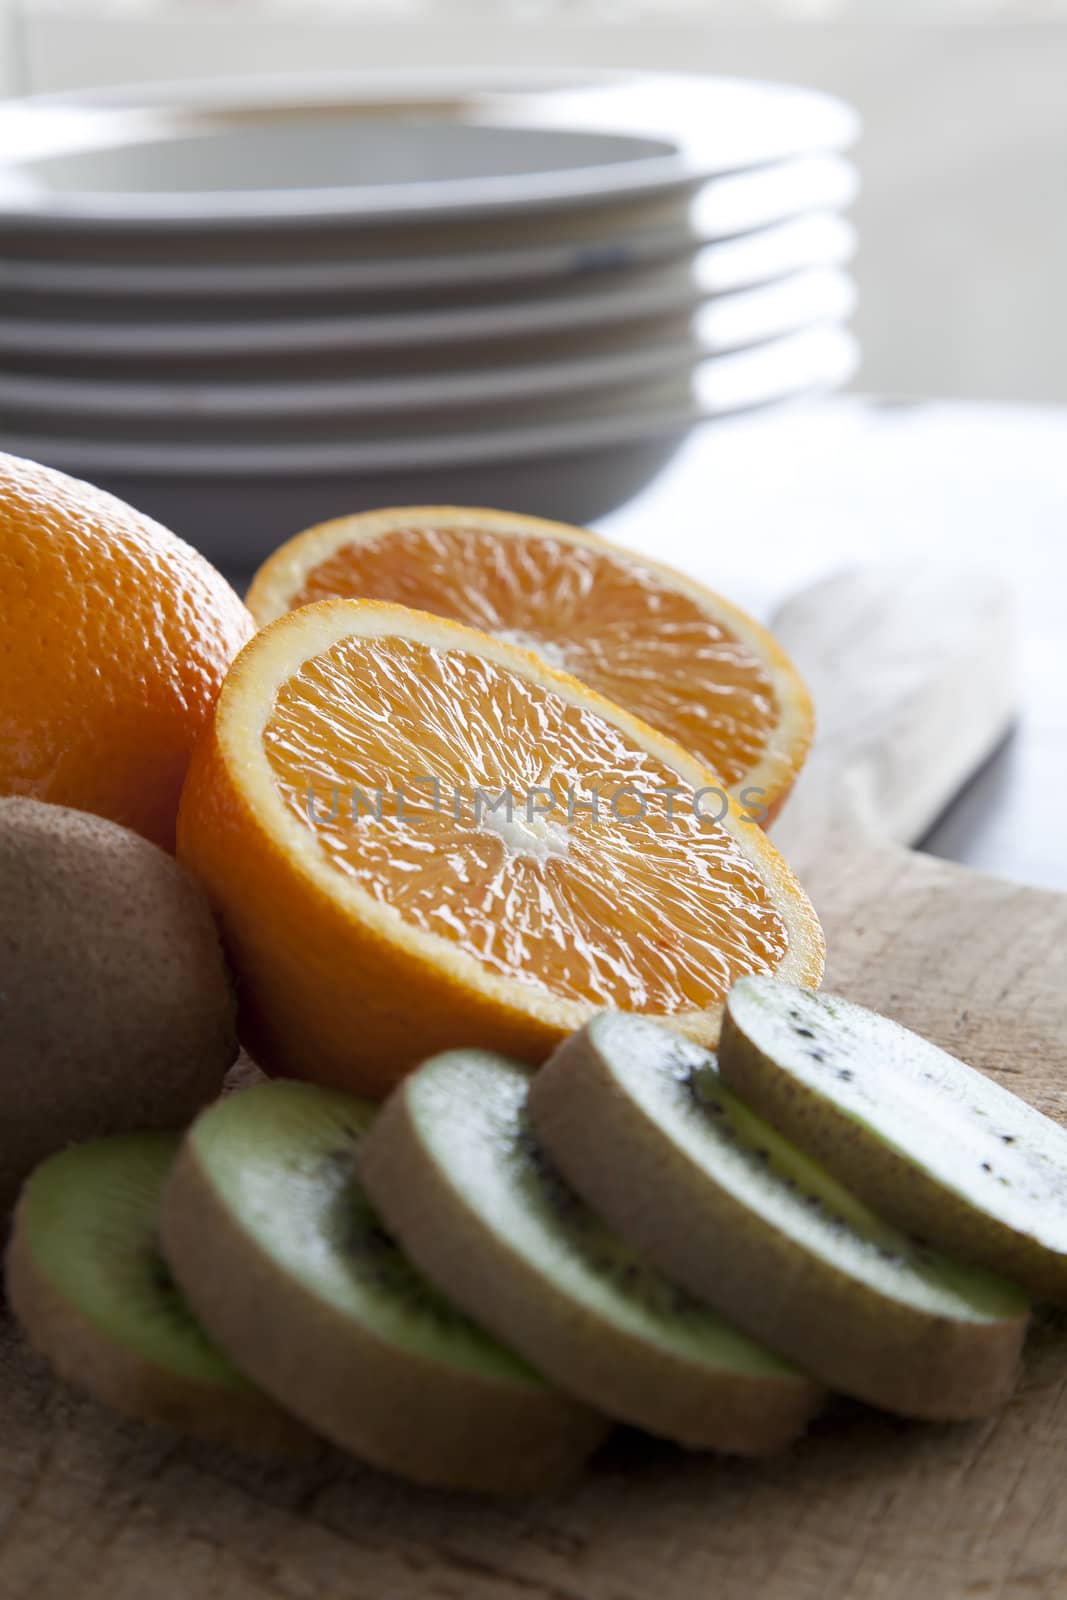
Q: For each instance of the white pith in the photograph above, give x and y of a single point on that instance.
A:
(526, 834)
(554, 654)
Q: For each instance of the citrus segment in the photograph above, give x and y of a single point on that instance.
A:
(418, 836)
(530, 892)
(648, 638)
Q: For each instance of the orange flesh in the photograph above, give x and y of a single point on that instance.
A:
(614, 624)
(658, 912)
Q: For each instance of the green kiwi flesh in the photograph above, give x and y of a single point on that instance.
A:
(930, 1143)
(642, 1125)
(452, 1166)
(86, 1281)
(267, 1229)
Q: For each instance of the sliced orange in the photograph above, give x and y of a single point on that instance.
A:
(380, 900)
(672, 652)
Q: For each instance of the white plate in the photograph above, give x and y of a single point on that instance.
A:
(727, 208)
(376, 148)
(345, 239)
(758, 259)
(412, 406)
(575, 475)
(821, 239)
(733, 319)
(722, 385)
(448, 255)
(238, 521)
(73, 406)
(435, 270)
(667, 388)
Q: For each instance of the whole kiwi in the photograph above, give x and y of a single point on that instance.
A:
(116, 1010)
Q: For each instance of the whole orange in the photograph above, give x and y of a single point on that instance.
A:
(115, 637)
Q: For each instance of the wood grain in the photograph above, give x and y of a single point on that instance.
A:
(867, 1507)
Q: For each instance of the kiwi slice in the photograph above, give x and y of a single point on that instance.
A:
(453, 1168)
(932, 1145)
(87, 1282)
(640, 1122)
(268, 1232)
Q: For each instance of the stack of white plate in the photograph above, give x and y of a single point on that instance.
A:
(248, 307)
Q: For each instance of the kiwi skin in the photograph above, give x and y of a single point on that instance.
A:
(657, 1390)
(116, 1009)
(238, 1415)
(349, 1385)
(899, 1189)
(913, 1363)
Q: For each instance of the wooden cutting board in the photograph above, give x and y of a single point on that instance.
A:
(912, 684)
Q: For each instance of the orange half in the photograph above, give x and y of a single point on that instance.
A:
(417, 836)
(669, 650)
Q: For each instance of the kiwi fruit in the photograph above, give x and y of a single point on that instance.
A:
(116, 1010)
(926, 1141)
(641, 1123)
(452, 1167)
(87, 1283)
(267, 1230)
